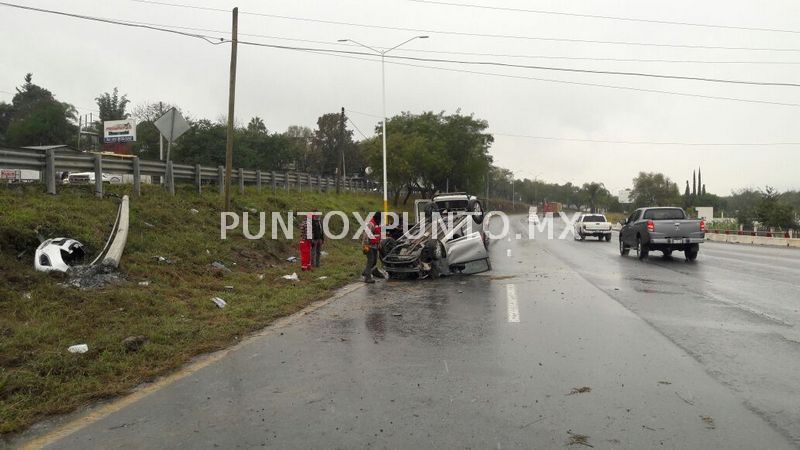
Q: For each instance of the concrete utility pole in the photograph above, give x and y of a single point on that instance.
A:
(340, 165)
(231, 102)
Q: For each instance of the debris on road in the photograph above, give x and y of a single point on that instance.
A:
(79, 348)
(688, 402)
(709, 422)
(664, 382)
(580, 390)
(397, 314)
(578, 439)
(219, 266)
(219, 302)
(292, 277)
(133, 343)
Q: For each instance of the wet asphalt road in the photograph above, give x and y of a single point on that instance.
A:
(676, 355)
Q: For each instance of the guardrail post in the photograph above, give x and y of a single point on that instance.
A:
(198, 178)
(50, 171)
(319, 183)
(98, 176)
(221, 179)
(137, 177)
(310, 184)
(241, 181)
(258, 181)
(273, 179)
(286, 180)
(170, 178)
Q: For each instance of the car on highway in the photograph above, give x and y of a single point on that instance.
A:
(664, 229)
(593, 225)
(447, 237)
(88, 178)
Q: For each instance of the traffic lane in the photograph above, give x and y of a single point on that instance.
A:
(440, 363)
(739, 325)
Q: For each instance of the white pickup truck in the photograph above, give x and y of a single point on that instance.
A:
(593, 225)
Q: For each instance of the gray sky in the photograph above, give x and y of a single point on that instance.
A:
(78, 60)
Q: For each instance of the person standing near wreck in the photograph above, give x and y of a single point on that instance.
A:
(305, 243)
(370, 240)
(317, 239)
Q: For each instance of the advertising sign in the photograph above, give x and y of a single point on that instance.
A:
(119, 131)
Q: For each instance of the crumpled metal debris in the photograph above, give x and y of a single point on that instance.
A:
(292, 277)
(219, 302)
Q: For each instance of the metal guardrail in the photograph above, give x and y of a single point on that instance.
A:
(50, 162)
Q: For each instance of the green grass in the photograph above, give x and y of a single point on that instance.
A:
(41, 317)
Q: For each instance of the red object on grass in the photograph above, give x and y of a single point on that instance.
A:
(305, 254)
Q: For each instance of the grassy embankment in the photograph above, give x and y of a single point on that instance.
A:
(41, 317)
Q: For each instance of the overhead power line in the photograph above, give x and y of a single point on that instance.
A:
(657, 143)
(603, 17)
(463, 33)
(351, 55)
(500, 55)
(111, 21)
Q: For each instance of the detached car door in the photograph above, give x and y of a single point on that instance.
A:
(466, 249)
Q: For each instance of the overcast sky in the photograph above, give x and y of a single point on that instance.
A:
(77, 60)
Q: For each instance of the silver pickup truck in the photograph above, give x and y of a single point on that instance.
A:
(661, 229)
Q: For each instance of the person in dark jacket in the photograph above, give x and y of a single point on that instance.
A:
(317, 239)
(370, 241)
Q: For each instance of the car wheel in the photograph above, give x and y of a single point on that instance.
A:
(667, 253)
(623, 249)
(581, 236)
(691, 252)
(608, 237)
(641, 248)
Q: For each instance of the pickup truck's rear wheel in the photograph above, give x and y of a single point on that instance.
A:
(623, 249)
(608, 237)
(691, 252)
(641, 248)
(667, 253)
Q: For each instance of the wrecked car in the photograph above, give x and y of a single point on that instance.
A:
(58, 254)
(447, 237)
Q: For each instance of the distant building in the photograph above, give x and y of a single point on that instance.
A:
(705, 212)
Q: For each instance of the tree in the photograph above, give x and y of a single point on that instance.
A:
(329, 139)
(257, 125)
(694, 183)
(147, 135)
(687, 196)
(112, 106)
(304, 154)
(594, 191)
(654, 189)
(772, 212)
(35, 117)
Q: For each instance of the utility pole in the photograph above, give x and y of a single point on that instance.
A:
(231, 102)
(80, 119)
(340, 165)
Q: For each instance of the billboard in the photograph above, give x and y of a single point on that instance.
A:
(119, 131)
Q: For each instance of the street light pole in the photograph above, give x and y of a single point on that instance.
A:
(383, 101)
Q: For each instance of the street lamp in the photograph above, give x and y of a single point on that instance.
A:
(383, 95)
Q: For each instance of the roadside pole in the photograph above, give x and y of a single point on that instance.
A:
(231, 102)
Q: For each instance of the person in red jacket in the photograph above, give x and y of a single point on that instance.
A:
(370, 241)
(305, 243)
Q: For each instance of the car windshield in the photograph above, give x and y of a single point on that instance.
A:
(594, 218)
(665, 214)
(451, 205)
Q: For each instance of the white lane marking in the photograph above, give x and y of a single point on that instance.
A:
(445, 366)
(508, 253)
(513, 308)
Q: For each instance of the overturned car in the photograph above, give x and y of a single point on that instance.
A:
(448, 238)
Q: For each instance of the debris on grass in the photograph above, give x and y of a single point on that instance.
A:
(219, 266)
(26, 296)
(322, 278)
(292, 259)
(144, 283)
(292, 277)
(323, 253)
(162, 259)
(133, 343)
(709, 422)
(228, 288)
(78, 348)
(580, 390)
(193, 211)
(149, 225)
(261, 276)
(578, 439)
(219, 302)
(92, 277)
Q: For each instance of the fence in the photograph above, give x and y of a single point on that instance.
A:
(50, 162)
